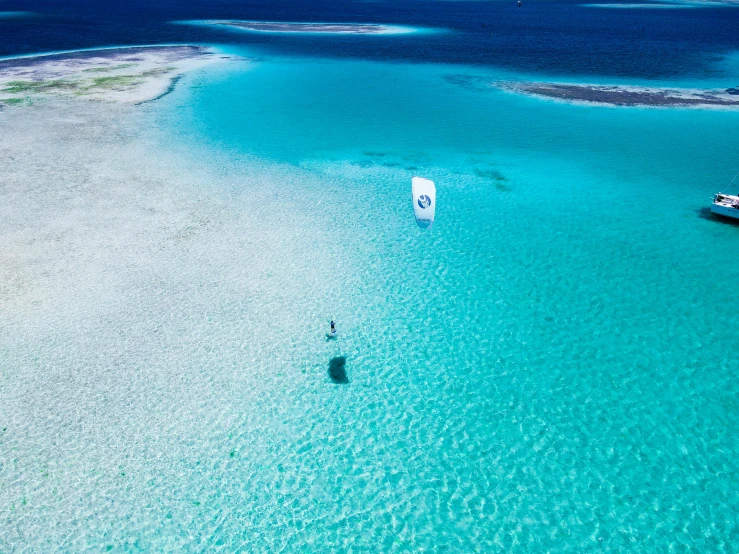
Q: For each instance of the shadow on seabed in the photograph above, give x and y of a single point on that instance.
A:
(706, 213)
(337, 370)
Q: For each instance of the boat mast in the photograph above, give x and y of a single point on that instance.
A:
(731, 183)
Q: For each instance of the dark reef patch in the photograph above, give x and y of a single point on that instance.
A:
(468, 82)
(492, 174)
(498, 179)
(619, 95)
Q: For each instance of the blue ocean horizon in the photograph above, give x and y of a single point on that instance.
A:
(550, 38)
(551, 367)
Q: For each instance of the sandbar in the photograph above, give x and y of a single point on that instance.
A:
(312, 28)
(129, 75)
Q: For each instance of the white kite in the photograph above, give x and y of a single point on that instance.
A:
(424, 201)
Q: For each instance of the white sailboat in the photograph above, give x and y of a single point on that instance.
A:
(726, 205)
(424, 201)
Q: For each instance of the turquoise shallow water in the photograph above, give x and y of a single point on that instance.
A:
(550, 368)
(552, 365)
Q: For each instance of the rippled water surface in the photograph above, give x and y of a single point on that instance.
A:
(552, 367)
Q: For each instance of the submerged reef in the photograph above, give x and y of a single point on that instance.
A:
(643, 5)
(15, 15)
(606, 95)
(665, 4)
(131, 75)
(494, 176)
(317, 28)
(624, 95)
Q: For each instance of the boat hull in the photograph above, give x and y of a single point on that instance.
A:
(725, 211)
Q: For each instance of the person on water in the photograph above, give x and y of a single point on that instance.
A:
(333, 327)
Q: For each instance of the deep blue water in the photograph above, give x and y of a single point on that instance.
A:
(551, 37)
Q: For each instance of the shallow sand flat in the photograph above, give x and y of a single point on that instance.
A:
(165, 384)
(619, 95)
(316, 28)
(73, 174)
(131, 75)
(136, 284)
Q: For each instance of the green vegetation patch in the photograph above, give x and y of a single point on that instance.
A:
(111, 68)
(157, 71)
(30, 87)
(115, 81)
(79, 87)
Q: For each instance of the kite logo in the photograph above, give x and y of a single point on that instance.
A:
(424, 201)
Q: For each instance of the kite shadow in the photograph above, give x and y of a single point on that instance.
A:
(337, 370)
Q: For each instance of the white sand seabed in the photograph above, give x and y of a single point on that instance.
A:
(146, 293)
(80, 194)
(128, 74)
(88, 194)
(76, 174)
